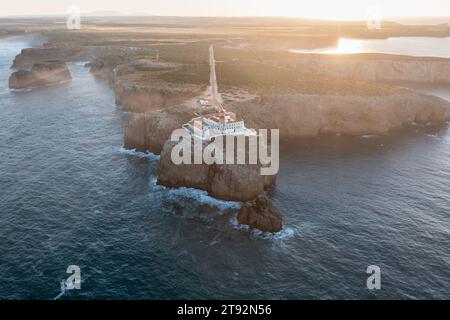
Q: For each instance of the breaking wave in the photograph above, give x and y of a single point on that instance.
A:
(21, 90)
(196, 195)
(134, 153)
(81, 63)
(434, 136)
(285, 233)
(63, 290)
(368, 136)
(53, 84)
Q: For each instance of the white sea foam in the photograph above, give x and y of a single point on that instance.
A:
(153, 181)
(197, 195)
(281, 235)
(21, 90)
(63, 290)
(434, 136)
(134, 153)
(368, 136)
(202, 197)
(53, 84)
(285, 233)
(80, 63)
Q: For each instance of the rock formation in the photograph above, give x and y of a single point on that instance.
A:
(231, 182)
(30, 56)
(149, 131)
(375, 67)
(41, 74)
(261, 214)
(302, 115)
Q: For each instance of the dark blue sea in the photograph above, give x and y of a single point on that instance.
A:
(70, 195)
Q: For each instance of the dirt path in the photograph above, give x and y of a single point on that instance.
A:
(215, 96)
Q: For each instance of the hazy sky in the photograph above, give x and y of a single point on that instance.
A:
(323, 9)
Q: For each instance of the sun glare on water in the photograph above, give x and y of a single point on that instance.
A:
(346, 46)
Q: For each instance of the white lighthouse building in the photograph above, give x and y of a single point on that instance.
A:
(222, 123)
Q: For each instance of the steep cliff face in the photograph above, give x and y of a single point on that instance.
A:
(42, 73)
(149, 131)
(417, 71)
(299, 115)
(231, 182)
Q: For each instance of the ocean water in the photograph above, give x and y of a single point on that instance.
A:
(71, 195)
(411, 46)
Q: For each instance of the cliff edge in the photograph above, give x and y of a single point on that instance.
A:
(41, 74)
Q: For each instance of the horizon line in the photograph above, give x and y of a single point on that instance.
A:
(142, 15)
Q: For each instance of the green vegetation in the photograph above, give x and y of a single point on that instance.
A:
(248, 50)
(269, 79)
(266, 55)
(195, 74)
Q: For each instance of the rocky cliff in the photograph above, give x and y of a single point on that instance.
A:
(231, 182)
(149, 131)
(301, 115)
(376, 68)
(41, 74)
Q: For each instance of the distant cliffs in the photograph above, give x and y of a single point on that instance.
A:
(41, 74)
(375, 68)
(146, 98)
(29, 56)
(301, 115)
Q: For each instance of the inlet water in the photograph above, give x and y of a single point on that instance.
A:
(411, 46)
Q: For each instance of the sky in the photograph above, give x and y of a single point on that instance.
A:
(315, 9)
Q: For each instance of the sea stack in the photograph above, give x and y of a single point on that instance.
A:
(42, 73)
(261, 214)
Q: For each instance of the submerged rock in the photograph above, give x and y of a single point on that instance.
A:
(261, 214)
(41, 74)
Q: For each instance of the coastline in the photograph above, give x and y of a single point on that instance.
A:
(73, 195)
